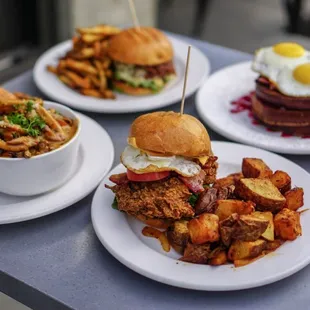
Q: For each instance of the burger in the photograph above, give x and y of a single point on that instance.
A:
(142, 60)
(169, 161)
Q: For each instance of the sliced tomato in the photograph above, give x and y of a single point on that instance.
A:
(147, 177)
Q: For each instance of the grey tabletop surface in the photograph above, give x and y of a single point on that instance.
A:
(57, 262)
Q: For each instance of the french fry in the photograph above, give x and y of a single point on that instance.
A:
(91, 92)
(84, 53)
(95, 81)
(61, 66)
(97, 49)
(80, 66)
(89, 38)
(106, 63)
(99, 29)
(77, 80)
(160, 235)
(52, 69)
(108, 73)
(87, 67)
(104, 47)
(66, 81)
(108, 94)
(103, 81)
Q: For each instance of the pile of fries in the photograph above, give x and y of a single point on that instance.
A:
(87, 68)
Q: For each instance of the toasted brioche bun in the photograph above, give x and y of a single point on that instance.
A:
(130, 90)
(144, 46)
(170, 133)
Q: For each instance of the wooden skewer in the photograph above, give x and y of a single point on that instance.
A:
(133, 13)
(185, 79)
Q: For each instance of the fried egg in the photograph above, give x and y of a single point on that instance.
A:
(269, 61)
(139, 162)
(295, 81)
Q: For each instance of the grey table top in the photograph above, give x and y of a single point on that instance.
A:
(57, 262)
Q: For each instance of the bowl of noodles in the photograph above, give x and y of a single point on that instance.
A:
(39, 144)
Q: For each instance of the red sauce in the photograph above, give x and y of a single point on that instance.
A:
(244, 103)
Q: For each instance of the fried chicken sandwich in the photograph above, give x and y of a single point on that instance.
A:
(168, 160)
(142, 59)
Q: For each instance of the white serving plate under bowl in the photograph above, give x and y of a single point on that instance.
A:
(42, 173)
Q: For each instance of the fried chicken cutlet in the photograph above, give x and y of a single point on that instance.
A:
(160, 199)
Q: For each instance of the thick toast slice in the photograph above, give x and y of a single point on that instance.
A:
(262, 192)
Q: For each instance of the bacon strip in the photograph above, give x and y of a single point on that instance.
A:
(195, 184)
(119, 178)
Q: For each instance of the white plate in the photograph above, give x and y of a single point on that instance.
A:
(49, 84)
(94, 161)
(213, 102)
(122, 236)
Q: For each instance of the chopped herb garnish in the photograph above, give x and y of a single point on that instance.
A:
(29, 106)
(33, 126)
(193, 199)
(115, 204)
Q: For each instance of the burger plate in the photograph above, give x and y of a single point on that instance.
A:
(50, 85)
(122, 237)
(213, 102)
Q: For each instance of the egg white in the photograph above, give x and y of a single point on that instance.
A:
(289, 86)
(268, 63)
(133, 159)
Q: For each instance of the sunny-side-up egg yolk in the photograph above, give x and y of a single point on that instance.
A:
(295, 81)
(139, 162)
(270, 60)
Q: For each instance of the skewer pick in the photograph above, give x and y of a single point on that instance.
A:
(133, 13)
(185, 79)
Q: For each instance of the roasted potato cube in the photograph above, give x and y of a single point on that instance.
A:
(178, 235)
(219, 259)
(249, 228)
(228, 181)
(255, 168)
(281, 180)
(269, 232)
(246, 249)
(262, 192)
(287, 224)
(198, 254)
(225, 208)
(242, 227)
(273, 245)
(204, 228)
(247, 261)
(294, 198)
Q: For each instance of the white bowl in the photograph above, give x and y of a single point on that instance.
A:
(42, 173)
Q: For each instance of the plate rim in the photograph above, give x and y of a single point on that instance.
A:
(229, 135)
(75, 197)
(163, 102)
(183, 284)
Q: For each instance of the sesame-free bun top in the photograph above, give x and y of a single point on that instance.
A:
(145, 46)
(170, 133)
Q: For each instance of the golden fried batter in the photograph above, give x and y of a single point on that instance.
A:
(162, 199)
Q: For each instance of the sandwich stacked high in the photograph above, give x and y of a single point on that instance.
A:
(168, 159)
(142, 59)
(282, 97)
